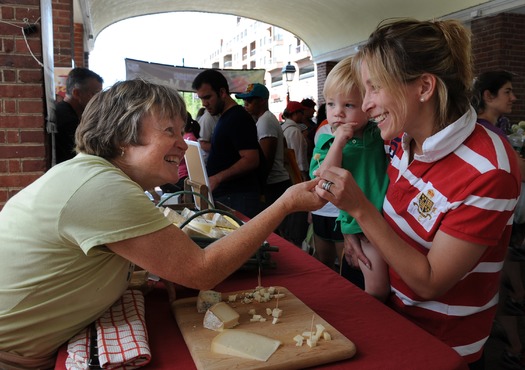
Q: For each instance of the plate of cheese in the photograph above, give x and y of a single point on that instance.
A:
(263, 328)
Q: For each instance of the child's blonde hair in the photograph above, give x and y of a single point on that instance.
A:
(340, 80)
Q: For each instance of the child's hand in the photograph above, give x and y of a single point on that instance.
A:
(344, 132)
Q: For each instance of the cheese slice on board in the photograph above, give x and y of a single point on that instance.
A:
(220, 316)
(244, 344)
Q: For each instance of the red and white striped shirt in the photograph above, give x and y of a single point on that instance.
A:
(466, 184)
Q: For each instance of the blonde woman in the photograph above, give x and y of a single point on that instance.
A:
(448, 210)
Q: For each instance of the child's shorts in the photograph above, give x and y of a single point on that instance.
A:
(326, 228)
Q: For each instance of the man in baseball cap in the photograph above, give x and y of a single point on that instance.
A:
(255, 90)
(293, 107)
(271, 140)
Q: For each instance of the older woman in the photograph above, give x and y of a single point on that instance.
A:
(69, 240)
(453, 184)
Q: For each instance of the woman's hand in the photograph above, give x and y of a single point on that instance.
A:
(301, 197)
(344, 192)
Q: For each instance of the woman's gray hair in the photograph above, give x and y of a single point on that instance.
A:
(113, 117)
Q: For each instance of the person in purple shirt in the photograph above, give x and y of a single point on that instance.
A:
(493, 98)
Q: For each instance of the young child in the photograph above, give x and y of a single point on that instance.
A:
(355, 145)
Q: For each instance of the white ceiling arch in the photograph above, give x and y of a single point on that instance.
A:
(330, 28)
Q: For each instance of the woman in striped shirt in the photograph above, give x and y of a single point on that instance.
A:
(448, 211)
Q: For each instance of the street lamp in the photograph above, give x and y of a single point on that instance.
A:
(288, 73)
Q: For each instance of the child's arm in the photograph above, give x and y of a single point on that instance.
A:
(342, 134)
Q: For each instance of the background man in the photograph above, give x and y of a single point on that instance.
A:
(295, 139)
(81, 85)
(234, 154)
(308, 125)
(295, 226)
(271, 140)
(207, 123)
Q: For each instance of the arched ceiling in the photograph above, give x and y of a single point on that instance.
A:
(330, 28)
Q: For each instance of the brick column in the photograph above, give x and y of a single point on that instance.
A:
(63, 32)
(81, 60)
(323, 69)
(24, 150)
(22, 118)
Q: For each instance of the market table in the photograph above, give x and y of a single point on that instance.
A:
(384, 340)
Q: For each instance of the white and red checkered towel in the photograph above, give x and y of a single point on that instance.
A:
(122, 338)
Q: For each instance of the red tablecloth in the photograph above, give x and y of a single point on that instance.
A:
(384, 340)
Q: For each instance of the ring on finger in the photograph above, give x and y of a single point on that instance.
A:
(326, 185)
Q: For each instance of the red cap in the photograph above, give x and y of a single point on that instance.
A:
(294, 106)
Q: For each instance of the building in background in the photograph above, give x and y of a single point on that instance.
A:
(251, 44)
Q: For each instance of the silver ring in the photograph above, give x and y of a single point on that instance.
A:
(326, 185)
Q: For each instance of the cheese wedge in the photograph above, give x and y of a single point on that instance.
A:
(224, 221)
(202, 225)
(220, 316)
(173, 216)
(244, 344)
(206, 299)
(187, 213)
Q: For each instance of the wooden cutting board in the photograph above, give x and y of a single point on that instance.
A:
(296, 319)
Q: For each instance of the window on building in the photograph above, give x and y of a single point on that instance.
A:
(306, 72)
(228, 61)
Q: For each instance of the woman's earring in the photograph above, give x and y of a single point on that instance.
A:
(422, 99)
(121, 152)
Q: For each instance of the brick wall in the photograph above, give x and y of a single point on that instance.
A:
(22, 139)
(78, 46)
(24, 143)
(498, 42)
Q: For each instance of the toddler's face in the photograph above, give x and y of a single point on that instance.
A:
(346, 108)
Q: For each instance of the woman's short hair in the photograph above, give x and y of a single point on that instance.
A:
(113, 117)
(400, 51)
(491, 81)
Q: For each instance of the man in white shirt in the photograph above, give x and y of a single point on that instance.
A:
(271, 140)
(295, 139)
(295, 226)
(207, 123)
